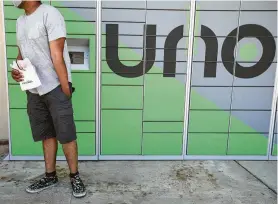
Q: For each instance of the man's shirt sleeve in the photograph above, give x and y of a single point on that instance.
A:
(55, 25)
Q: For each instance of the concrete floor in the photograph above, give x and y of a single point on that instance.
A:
(265, 171)
(140, 182)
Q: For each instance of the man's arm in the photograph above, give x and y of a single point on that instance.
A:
(57, 55)
(56, 31)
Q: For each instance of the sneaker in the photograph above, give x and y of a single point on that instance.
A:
(42, 184)
(78, 188)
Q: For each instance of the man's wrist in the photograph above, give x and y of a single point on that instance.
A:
(65, 86)
(66, 89)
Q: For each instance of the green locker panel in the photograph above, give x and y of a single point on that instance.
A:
(70, 14)
(106, 69)
(121, 132)
(246, 140)
(162, 143)
(207, 143)
(86, 145)
(247, 144)
(21, 137)
(114, 79)
(8, 3)
(12, 52)
(164, 98)
(125, 54)
(208, 121)
(74, 4)
(86, 28)
(85, 126)
(10, 38)
(12, 12)
(163, 127)
(199, 102)
(84, 96)
(275, 150)
(11, 81)
(17, 98)
(239, 126)
(122, 97)
(10, 26)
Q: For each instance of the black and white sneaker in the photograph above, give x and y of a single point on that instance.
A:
(42, 184)
(78, 188)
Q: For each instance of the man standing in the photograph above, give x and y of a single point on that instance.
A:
(41, 37)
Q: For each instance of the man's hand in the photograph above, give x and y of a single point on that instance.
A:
(17, 75)
(66, 90)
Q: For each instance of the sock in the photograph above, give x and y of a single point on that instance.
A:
(52, 174)
(73, 175)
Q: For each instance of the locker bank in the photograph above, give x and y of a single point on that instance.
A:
(162, 80)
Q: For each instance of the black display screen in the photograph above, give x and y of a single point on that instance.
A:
(76, 57)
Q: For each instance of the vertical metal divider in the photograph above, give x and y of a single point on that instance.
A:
(232, 91)
(188, 76)
(272, 117)
(144, 68)
(6, 80)
(98, 39)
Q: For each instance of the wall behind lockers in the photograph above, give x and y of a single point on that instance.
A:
(144, 69)
(3, 84)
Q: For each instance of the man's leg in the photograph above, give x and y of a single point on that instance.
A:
(50, 147)
(61, 110)
(71, 153)
(43, 130)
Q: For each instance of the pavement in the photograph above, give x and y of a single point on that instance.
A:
(145, 182)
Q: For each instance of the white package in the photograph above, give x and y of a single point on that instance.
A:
(30, 77)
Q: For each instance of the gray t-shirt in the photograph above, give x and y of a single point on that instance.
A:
(33, 33)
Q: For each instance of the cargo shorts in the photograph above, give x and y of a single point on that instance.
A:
(51, 116)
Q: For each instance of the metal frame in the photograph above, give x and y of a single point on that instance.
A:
(144, 75)
(98, 38)
(144, 158)
(138, 157)
(41, 158)
(272, 158)
(233, 81)
(272, 118)
(227, 157)
(6, 79)
(178, 158)
(188, 75)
